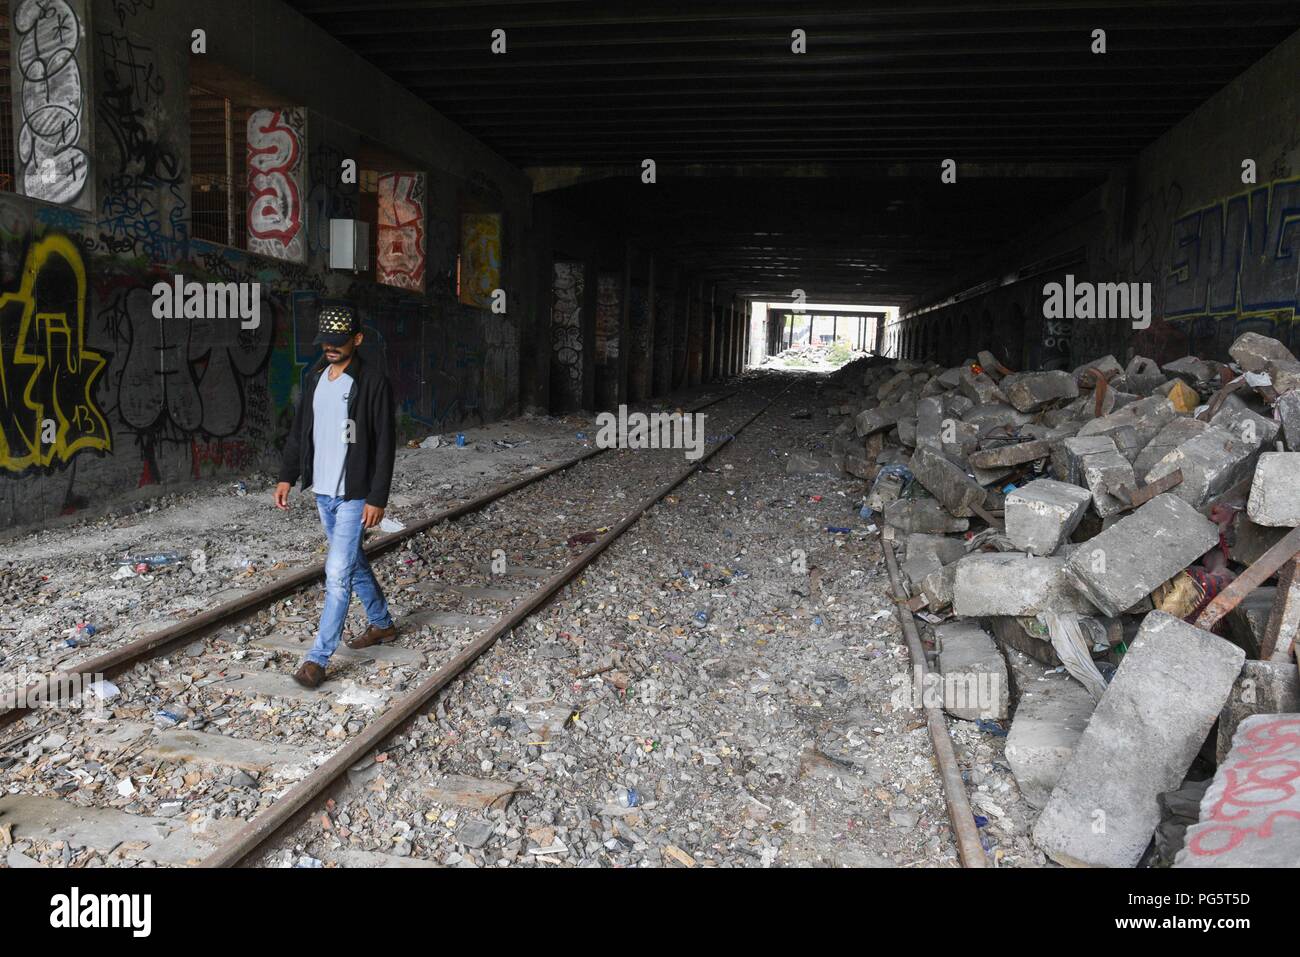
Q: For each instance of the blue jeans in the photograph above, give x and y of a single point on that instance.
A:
(347, 570)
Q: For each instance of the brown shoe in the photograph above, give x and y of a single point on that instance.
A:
(373, 636)
(309, 675)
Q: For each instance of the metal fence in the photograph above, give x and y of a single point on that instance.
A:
(219, 172)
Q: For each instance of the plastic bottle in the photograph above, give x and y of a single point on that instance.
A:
(153, 561)
(627, 797)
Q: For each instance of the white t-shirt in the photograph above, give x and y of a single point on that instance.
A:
(329, 433)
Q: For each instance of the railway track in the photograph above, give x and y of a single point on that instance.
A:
(213, 695)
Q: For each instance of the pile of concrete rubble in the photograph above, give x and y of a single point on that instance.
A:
(1132, 528)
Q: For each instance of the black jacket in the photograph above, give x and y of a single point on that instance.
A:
(368, 462)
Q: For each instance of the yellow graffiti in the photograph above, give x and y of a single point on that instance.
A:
(50, 345)
(480, 258)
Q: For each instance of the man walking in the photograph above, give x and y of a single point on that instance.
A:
(342, 445)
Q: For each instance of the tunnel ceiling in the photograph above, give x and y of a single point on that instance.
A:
(885, 91)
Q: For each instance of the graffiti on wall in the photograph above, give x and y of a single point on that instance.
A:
(566, 336)
(48, 375)
(125, 9)
(400, 258)
(192, 392)
(47, 75)
(276, 148)
(184, 373)
(1239, 255)
(330, 198)
(143, 210)
(608, 317)
(480, 258)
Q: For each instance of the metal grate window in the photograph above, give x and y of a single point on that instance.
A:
(219, 171)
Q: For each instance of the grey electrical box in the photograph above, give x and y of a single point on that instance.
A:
(349, 244)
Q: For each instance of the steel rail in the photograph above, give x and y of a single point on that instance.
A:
(265, 826)
(50, 687)
(960, 814)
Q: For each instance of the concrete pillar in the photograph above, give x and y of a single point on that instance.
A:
(743, 321)
(590, 303)
(686, 303)
(729, 355)
(738, 340)
(535, 341)
(695, 342)
(641, 356)
(665, 301)
(625, 344)
(711, 347)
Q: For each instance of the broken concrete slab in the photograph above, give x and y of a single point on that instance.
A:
(1014, 633)
(1094, 462)
(989, 363)
(158, 839)
(895, 383)
(1275, 492)
(1247, 623)
(937, 586)
(215, 750)
(274, 684)
(974, 674)
(1030, 391)
(929, 422)
(878, 419)
(388, 654)
(1251, 428)
(1250, 816)
(1146, 416)
(955, 490)
(1139, 743)
(1008, 455)
(1174, 434)
(922, 515)
(1143, 376)
(1254, 352)
(996, 416)
(1285, 375)
(1008, 583)
(1041, 514)
(1190, 369)
(1211, 461)
(1052, 713)
(1122, 565)
(927, 553)
(1108, 365)
(1250, 541)
(979, 388)
(1263, 687)
(1288, 410)
(1278, 643)
(906, 427)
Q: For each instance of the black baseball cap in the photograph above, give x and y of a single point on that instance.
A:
(336, 325)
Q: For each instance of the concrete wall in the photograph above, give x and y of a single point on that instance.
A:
(141, 404)
(1221, 255)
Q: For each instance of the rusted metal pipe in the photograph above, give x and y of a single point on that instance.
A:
(960, 814)
(1286, 548)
